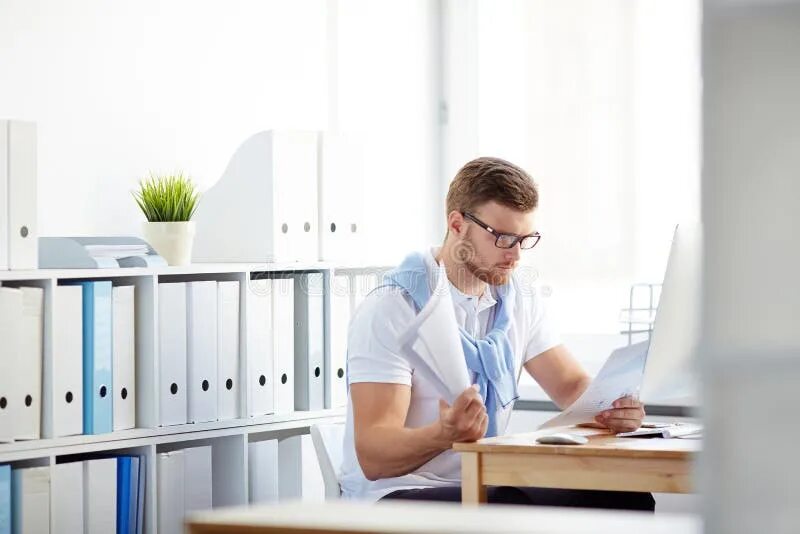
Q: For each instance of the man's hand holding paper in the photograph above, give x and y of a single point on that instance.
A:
(610, 400)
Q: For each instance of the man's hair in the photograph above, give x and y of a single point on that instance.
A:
(485, 179)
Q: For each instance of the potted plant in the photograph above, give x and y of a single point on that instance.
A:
(169, 202)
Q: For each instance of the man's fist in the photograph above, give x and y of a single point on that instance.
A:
(466, 419)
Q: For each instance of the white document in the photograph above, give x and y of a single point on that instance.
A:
(171, 492)
(336, 386)
(263, 471)
(23, 247)
(198, 479)
(677, 430)
(172, 354)
(260, 348)
(228, 350)
(124, 356)
(29, 363)
(283, 329)
(10, 333)
(63, 372)
(66, 486)
(116, 251)
(201, 326)
(433, 343)
(299, 476)
(31, 500)
(620, 376)
(100, 496)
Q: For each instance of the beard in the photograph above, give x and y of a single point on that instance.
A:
(491, 276)
(466, 254)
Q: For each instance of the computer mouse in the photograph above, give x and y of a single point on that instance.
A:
(562, 438)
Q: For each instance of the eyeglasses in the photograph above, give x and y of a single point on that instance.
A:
(506, 240)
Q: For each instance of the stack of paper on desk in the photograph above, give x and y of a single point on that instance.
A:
(433, 343)
(620, 376)
(677, 430)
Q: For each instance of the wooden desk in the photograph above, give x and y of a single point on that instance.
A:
(349, 517)
(605, 463)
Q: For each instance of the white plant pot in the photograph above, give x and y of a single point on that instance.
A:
(172, 240)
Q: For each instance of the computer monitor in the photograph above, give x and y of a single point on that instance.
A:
(671, 372)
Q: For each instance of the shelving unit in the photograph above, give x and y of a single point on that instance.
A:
(228, 438)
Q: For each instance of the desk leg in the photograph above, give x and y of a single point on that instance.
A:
(472, 489)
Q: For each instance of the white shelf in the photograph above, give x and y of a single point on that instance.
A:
(195, 268)
(138, 437)
(228, 438)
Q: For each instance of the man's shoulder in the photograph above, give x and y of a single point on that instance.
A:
(388, 301)
(528, 288)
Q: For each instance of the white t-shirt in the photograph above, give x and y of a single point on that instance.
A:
(374, 355)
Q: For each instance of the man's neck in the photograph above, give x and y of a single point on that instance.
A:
(459, 275)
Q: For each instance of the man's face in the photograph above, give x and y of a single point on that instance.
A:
(476, 248)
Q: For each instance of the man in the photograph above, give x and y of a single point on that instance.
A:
(399, 431)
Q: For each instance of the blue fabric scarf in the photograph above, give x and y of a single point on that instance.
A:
(491, 358)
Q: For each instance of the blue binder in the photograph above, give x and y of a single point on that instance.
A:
(133, 513)
(5, 499)
(127, 494)
(98, 390)
(140, 495)
(123, 494)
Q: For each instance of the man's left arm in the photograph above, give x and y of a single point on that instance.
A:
(564, 380)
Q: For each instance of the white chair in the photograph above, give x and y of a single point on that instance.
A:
(328, 440)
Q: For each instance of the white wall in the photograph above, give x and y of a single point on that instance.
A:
(120, 89)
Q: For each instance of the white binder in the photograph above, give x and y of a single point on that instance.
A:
(171, 492)
(124, 357)
(272, 182)
(283, 332)
(263, 471)
(20, 159)
(201, 325)
(100, 495)
(295, 191)
(198, 485)
(3, 195)
(172, 353)
(336, 375)
(63, 375)
(260, 348)
(29, 364)
(341, 182)
(309, 342)
(10, 333)
(66, 486)
(300, 476)
(30, 500)
(228, 376)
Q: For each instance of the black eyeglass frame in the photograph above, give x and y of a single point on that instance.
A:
(536, 236)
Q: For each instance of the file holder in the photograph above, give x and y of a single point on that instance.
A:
(70, 253)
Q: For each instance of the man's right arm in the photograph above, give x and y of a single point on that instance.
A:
(386, 448)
